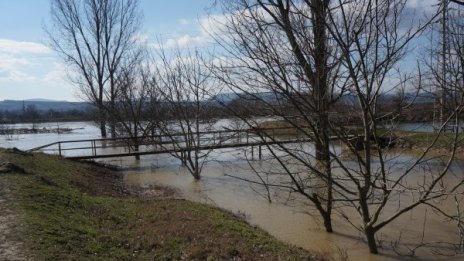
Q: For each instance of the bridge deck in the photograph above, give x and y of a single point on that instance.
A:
(173, 143)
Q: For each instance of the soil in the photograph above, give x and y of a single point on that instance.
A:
(7, 167)
(101, 180)
(10, 247)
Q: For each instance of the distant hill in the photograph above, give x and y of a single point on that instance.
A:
(42, 100)
(227, 98)
(269, 97)
(422, 98)
(44, 105)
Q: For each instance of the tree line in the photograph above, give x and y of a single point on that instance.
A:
(33, 115)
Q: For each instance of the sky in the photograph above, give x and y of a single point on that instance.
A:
(30, 70)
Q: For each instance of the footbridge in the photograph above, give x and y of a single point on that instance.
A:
(174, 143)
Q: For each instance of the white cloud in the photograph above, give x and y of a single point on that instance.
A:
(29, 69)
(213, 24)
(203, 28)
(19, 47)
(12, 75)
(57, 75)
(13, 60)
(184, 21)
(20, 60)
(141, 38)
(186, 41)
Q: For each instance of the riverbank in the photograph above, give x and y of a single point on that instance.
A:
(409, 142)
(64, 210)
(18, 131)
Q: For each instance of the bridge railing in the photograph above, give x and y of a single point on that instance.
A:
(161, 141)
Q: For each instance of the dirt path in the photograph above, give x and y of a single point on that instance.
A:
(10, 247)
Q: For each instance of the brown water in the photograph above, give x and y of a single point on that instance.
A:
(290, 220)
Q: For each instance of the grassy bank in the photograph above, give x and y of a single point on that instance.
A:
(409, 140)
(73, 211)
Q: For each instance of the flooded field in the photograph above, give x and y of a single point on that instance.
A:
(288, 217)
(80, 130)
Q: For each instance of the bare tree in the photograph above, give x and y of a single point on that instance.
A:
(134, 111)
(94, 37)
(274, 46)
(455, 68)
(374, 37)
(282, 49)
(184, 87)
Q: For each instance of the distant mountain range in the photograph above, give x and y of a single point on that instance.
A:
(43, 105)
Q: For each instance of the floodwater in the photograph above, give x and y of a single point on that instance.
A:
(81, 131)
(89, 130)
(288, 217)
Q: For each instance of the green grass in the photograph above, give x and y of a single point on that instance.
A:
(75, 211)
(418, 139)
(424, 139)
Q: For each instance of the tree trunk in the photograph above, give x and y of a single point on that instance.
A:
(112, 120)
(321, 99)
(322, 193)
(103, 128)
(327, 222)
(136, 141)
(370, 236)
(196, 174)
(136, 149)
(113, 129)
(102, 118)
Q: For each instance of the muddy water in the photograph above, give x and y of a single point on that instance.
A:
(291, 220)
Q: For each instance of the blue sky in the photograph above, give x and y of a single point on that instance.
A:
(28, 69)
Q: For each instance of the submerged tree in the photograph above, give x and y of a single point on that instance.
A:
(184, 87)
(282, 48)
(135, 109)
(94, 38)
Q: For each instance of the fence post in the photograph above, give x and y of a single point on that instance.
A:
(59, 148)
